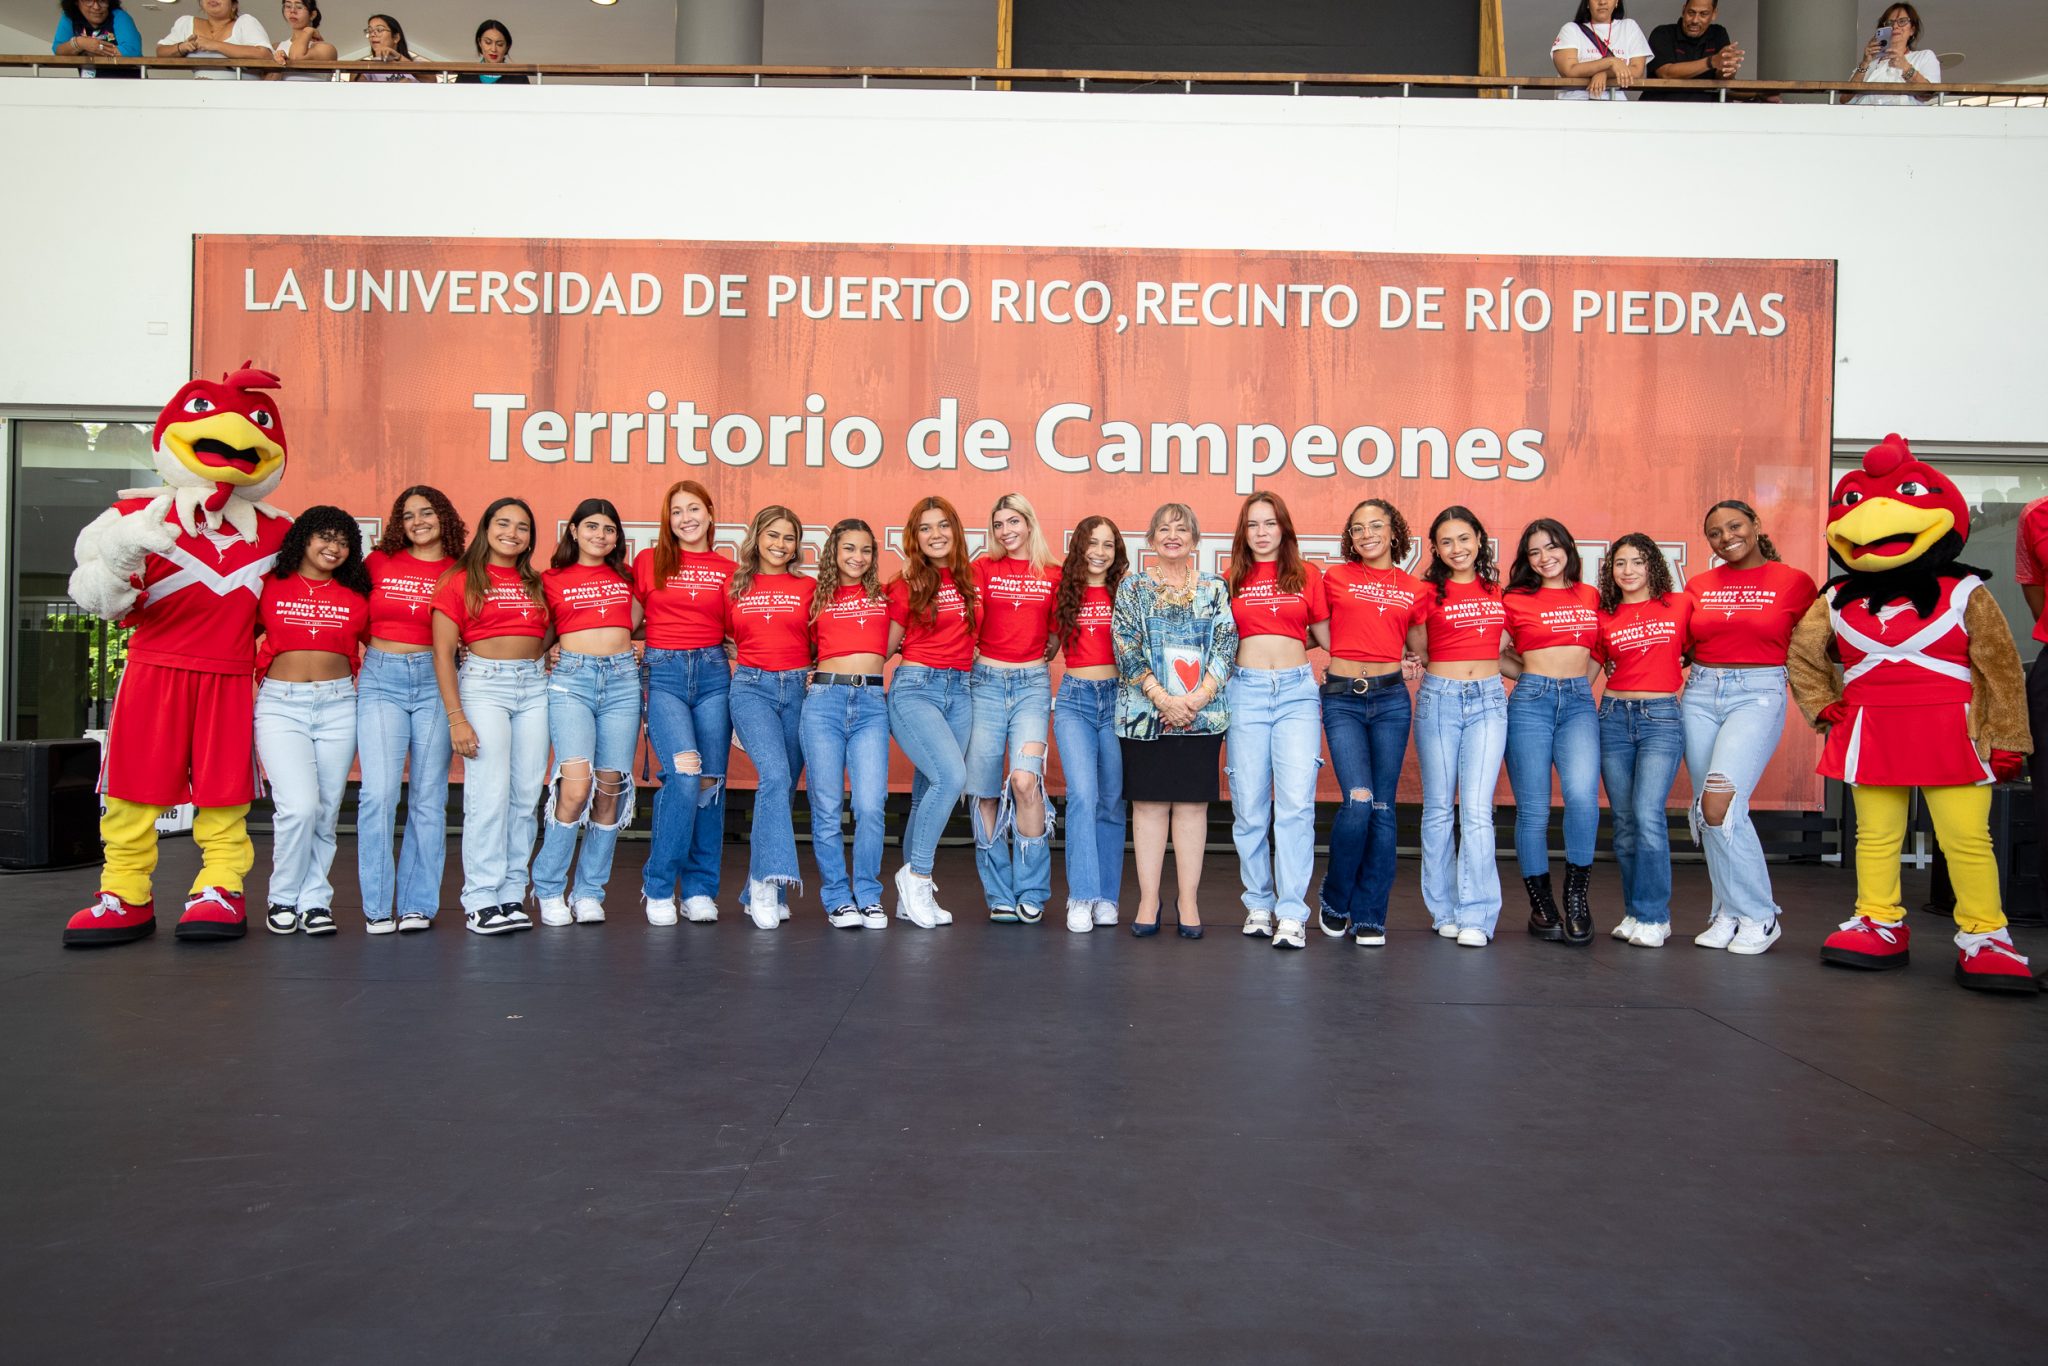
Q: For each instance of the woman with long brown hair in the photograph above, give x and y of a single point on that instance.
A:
(771, 636)
(1084, 722)
(845, 726)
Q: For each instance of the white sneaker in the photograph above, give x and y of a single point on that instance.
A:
(1720, 932)
(1258, 923)
(1369, 938)
(845, 918)
(388, 925)
(1650, 935)
(1105, 912)
(785, 912)
(1472, 937)
(699, 910)
(660, 910)
(763, 906)
(874, 917)
(914, 899)
(1755, 936)
(554, 911)
(1449, 929)
(1627, 928)
(1080, 917)
(1291, 934)
(588, 910)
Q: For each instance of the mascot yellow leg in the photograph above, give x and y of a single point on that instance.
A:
(1962, 823)
(1880, 836)
(123, 911)
(225, 851)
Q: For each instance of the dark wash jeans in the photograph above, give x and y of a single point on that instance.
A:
(1368, 735)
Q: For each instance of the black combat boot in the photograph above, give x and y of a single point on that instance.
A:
(1544, 921)
(1578, 906)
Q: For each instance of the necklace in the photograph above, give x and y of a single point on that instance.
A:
(1176, 595)
(315, 585)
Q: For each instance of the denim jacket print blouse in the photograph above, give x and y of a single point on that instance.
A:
(1178, 644)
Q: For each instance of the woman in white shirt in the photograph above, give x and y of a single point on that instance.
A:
(1894, 57)
(222, 31)
(1602, 47)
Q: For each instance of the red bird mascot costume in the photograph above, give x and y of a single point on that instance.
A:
(1930, 695)
(184, 566)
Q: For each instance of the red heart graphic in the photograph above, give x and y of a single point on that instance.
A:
(1188, 672)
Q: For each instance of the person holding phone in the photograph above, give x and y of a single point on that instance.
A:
(1893, 56)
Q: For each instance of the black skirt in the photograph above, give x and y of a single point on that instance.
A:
(1173, 768)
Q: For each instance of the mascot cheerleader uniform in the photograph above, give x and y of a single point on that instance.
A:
(1931, 696)
(184, 566)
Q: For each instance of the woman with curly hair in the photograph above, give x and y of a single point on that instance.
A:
(771, 636)
(845, 725)
(931, 714)
(1643, 625)
(1084, 722)
(316, 607)
(1374, 603)
(399, 717)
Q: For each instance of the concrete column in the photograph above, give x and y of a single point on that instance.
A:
(718, 33)
(1807, 40)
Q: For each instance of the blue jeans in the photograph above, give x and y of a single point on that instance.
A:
(399, 714)
(306, 736)
(506, 703)
(767, 715)
(1084, 724)
(1368, 735)
(1011, 708)
(1733, 718)
(1641, 742)
(931, 716)
(593, 715)
(1461, 730)
(845, 734)
(1274, 748)
(686, 714)
(1551, 723)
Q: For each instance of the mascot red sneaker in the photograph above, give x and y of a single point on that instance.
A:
(184, 566)
(1930, 695)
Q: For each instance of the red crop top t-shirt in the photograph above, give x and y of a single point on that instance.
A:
(771, 625)
(1090, 645)
(1746, 616)
(1371, 611)
(1645, 641)
(299, 613)
(852, 624)
(1016, 608)
(587, 597)
(1553, 618)
(688, 611)
(943, 643)
(1467, 622)
(402, 596)
(506, 609)
(1262, 609)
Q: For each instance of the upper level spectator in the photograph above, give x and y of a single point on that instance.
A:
(1894, 56)
(1693, 49)
(303, 43)
(96, 28)
(1603, 47)
(387, 44)
(222, 31)
(493, 44)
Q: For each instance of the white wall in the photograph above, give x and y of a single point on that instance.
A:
(1934, 214)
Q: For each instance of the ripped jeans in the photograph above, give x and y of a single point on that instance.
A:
(686, 716)
(1272, 754)
(593, 722)
(767, 715)
(1012, 708)
(1733, 718)
(1367, 728)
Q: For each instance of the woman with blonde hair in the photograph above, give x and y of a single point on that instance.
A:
(771, 633)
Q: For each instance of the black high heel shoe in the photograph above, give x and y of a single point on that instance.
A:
(1189, 931)
(1140, 930)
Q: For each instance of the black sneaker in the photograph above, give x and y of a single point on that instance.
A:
(491, 920)
(1332, 924)
(412, 922)
(516, 914)
(845, 918)
(319, 920)
(282, 919)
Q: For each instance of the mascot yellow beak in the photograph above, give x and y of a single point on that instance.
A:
(1883, 533)
(224, 448)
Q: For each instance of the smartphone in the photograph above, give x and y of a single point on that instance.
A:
(1884, 36)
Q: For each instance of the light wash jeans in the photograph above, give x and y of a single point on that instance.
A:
(930, 714)
(1733, 718)
(845, 734)
(593, 715)
(1272, 752)
(1368, 735)
(399, 717)
(687, 714)
(767, 715)
(1552, 724)
(1084, 724)
(306, 737)
(506, 703)
(1641, 742)
(1011, 708)
(1461, 731)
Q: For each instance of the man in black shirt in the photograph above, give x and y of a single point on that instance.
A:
(1694, 48)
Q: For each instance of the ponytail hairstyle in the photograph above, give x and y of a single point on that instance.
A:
(828, 566)
(1036, 551)
(750, 549)
(1293, 575)
(1066, 612)
(668, 547)
(568, 552)
(1399, 540)
(1763, 542)
(353, 574)
(1439, 574)
(473, 565)
(454, 535)
(923, 577)
(1661, 585)
(1523, 578)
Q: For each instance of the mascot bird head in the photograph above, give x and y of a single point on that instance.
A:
(1895, 511)
(220, 442)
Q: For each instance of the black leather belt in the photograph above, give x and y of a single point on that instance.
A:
(1360, 686)
(847, 680)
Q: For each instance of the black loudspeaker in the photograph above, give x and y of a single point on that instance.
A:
(49, 803)
(2016, 841)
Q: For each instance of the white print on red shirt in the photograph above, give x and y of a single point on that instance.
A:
(1649, 633)
(413, 590)
(763, 601)
(1266, 593)
(1575, 620)
(1016, 590)
(700, 579)
(507, 597)
(601, 594)
(1094, 616)
(1478, 613)
(857, 608)
(313, 614)
(1380, 594)
(1729, 601)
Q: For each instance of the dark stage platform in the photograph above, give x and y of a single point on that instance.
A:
(1004, 1143)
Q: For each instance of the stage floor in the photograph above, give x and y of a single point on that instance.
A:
(1002, 1143)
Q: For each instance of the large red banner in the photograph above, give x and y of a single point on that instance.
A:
(1617, 395)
